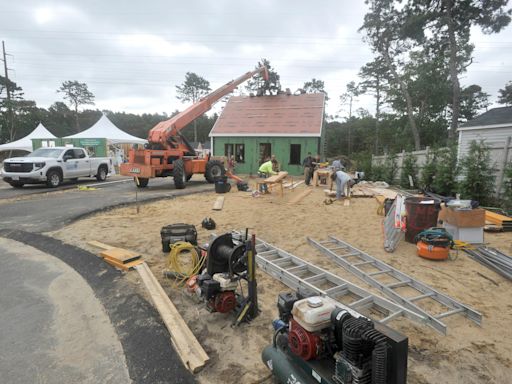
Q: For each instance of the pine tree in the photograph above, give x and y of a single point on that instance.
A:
(445, 179)
(409, 168)
(478, 173)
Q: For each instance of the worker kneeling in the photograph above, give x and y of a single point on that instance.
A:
(343, 180)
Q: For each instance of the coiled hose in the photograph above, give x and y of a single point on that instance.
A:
(183, 271)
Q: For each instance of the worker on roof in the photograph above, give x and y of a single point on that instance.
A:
(343, 181)
(265, 170)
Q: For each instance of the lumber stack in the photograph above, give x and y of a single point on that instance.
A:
(496, 219)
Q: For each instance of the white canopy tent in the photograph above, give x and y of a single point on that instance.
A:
(25, 143)
(105, 129)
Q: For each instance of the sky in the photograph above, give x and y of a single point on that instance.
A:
(132, 54)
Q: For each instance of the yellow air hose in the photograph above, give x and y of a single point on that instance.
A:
(183, 268)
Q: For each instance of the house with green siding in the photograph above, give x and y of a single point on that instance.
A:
(250, 128)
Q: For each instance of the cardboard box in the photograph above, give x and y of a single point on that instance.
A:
(468, 235)
(474, 218)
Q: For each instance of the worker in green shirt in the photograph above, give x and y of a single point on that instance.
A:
(265, 171)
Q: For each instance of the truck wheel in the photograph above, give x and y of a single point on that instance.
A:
(180, 177)
(53, 179)
(143, 182)
(214, 168)
(16, 184)
(102, 173)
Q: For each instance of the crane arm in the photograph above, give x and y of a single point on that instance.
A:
(171, 127)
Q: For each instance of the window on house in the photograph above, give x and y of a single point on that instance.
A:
(295, 154)
(265, 151)
(228, 150)
(240, 153)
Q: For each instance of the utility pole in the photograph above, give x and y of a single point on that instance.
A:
(9, 104)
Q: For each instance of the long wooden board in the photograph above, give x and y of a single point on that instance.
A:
(190, 351)
(299, 198)
(219, 203)
(120, 255)
(276, 178)
(496, 218)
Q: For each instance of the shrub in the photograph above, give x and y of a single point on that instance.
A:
(446, 171)
(390, 168)
(478, 174)
(409, 168)
(429, 170)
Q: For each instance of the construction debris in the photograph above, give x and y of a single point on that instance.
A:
(493, 259)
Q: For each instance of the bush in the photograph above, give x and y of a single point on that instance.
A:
(378, 172)
(362, 162)
(478, 173)
(446, 170)
(507, 188)
(429, 171)
(390, 169)
(409, 168)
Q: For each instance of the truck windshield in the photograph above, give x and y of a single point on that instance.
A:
(46, 152)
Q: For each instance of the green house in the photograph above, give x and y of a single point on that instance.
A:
(288, 126)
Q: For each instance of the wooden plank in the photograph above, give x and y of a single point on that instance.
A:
(276, 178)
(188, 348)
(496, 218)
(380, 199)
(100, 245)
(299, 198)
(295, 185)
(121, 255)
(219, 203)
(123, 266)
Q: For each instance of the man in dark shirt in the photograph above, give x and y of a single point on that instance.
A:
(308, 168)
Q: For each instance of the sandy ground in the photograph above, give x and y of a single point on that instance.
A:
(468, 354)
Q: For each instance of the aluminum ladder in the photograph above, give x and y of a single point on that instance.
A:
(298, 274)
(333, 246)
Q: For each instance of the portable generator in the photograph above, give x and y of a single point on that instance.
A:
(318, 340)
(229, 264)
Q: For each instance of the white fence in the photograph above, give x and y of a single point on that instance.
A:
(421, 159)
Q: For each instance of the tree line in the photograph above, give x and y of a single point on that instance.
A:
(421, 48)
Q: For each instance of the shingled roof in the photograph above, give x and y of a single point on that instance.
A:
(280, 115)
(496, 116)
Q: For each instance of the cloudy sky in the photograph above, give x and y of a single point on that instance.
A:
(132, 54)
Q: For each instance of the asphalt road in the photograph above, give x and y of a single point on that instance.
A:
(66, 315)
(51, 210)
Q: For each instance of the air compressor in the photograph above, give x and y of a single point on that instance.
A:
(318, 340)
(228, 264)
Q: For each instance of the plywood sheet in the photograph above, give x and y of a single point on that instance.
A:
(219, 203)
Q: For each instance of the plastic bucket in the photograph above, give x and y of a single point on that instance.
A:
(420, 215)
(222, 185)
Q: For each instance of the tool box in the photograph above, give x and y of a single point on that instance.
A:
(177, 232)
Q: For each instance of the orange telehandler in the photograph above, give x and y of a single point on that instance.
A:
(168, 153)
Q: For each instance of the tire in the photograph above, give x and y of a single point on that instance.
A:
(180, 177)
(53, 178)
(16, 184)
(143, 182)
(214, 168)
(102, 173)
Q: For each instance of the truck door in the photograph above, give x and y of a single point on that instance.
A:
(70, 164)
(84, 163)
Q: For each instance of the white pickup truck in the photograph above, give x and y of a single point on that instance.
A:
(53, 165)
